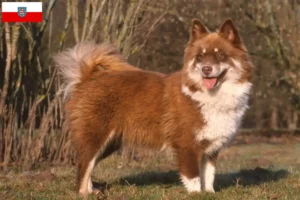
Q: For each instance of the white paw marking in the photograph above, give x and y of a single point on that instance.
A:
(208, 176)
(192, 185)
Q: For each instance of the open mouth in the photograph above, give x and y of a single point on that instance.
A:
(212, 82)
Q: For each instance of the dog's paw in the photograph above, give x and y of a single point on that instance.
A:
(99, 194)
(210, 190)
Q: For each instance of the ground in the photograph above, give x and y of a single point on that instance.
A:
(261, 169)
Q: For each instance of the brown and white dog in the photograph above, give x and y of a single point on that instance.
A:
(195, 111)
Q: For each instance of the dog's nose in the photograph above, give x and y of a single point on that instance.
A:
(206, 70)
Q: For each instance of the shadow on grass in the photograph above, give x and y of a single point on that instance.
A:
(152, 178)
(242, 178)
(247, 177)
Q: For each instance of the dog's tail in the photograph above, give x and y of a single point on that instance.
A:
(75, 65)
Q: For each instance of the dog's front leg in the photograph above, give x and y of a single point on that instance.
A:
(207, 171)
(188, 161)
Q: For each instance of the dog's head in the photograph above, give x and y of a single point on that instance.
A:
(214, 58)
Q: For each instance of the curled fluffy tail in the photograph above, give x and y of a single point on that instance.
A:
(77, 64)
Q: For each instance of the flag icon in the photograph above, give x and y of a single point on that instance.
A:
(22, 12)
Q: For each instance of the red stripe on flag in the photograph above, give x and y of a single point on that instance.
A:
(14, 17)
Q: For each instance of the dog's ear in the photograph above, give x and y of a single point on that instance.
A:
(198, 30)
(229, 32)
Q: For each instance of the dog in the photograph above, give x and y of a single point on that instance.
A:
(195, 111)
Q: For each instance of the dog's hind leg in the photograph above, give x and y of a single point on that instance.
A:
(86, 163)
(89, 154)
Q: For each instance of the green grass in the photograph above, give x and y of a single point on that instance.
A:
(251, 171)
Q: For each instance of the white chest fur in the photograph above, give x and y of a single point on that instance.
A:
(222, 111)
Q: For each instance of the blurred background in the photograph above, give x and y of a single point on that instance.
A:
(152, 35)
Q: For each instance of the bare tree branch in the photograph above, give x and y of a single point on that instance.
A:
(75, 19)
(86, 18)
(94, 20)
(7, 68)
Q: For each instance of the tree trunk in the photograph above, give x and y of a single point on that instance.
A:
(274, 118)
(259, 118)
(292, 119)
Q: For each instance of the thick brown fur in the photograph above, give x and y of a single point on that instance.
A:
(110, 103)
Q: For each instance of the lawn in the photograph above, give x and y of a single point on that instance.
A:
(251, 170)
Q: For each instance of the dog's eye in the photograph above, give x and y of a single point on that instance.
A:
(200, 56)
(220, 56)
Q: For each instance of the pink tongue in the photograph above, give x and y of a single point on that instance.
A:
(209, 83)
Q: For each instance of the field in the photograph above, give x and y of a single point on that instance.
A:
(248, 169)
